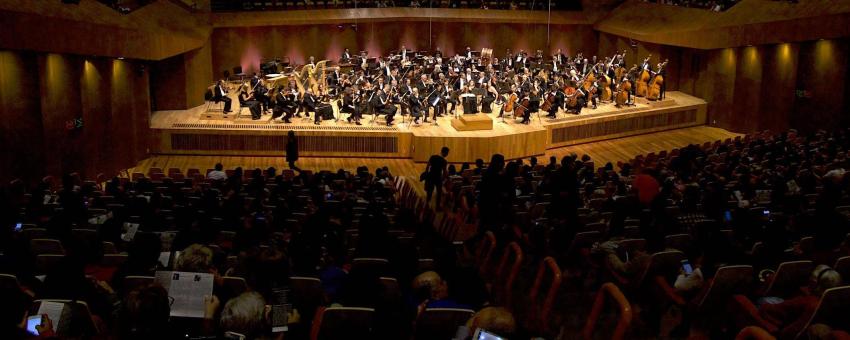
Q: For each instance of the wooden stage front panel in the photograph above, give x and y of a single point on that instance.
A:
(183, 133)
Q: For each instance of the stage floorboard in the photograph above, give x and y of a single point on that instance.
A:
(187, 132)
(621, 149)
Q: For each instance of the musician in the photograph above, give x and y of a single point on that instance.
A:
(403, 52)
(417, 108)
(258, 92)
(438, 54)
(324, 110)
(424, 85)
(246, 100)
(220, 95)
(451, 98)
(346, 57)
(349, 106)
(662, 71)
(558, 96)
(435, 100)
(489, 97)
(581, 99)
(593, 94)
(284, 105)
(509, 94)
(382, 105)
(468, 55)
(308, 104)
(646, 65)
(312, 62)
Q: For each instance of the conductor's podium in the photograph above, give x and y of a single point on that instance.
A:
(473, 122)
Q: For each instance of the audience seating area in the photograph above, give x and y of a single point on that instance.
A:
(562, 250)
(270, 5)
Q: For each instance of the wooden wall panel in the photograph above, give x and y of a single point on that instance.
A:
(21, 134)
(96, 101)
(747, 95)
(199, 75)
(60, 103)
(41, 93)
(245, 46)
(821, 71)
(779, 80)
(169, 84)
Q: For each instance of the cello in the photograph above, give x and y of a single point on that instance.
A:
(521, 109)
(654, 92)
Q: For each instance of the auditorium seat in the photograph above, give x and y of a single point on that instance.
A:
(623, 310)
(343, 323)
(440, 323)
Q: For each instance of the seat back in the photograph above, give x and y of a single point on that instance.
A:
(343, 323)
(664, 263)
(842, 266)
(377, 266)
(548, 269)
(507, 271)
(76, 319)
(440, 323)
(44, 263)
(113, 260)
(728, 281)
(624, 309)
(135, 282)
(307, 295)
(485, 252)
(833, 309)
(46, 246)
(678, 241)
(789, 277)
(235, 285)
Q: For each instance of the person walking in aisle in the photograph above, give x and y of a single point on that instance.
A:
(292, 150)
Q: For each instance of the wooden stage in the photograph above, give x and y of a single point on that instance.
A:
(184, 132)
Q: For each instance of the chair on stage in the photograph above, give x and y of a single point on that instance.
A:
(212, 103)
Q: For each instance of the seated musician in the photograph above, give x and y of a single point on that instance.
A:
(308, 104)
(258, 92)
(382, 104)
(416, 106)
(220, 95)
(436, 101)
(246, 100)
(323, 110)
(283, 106)
(594, 94)
(349, 106)
(559, 100)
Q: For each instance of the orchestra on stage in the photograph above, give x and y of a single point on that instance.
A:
(421, 86)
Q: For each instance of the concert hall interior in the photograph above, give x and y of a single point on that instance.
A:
(425, 169)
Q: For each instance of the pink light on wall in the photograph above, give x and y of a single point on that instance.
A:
(250, 60)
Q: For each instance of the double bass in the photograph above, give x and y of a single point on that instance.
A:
(605, 85)
(642, 81)
(654, 92)
(623, 89)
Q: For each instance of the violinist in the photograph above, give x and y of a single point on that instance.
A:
(285, 104)
(451, 97)
(424, 84)
(246, 100)
(438, 55)
(349, 106)
(308, 104)
(416, 106)
(258, 92)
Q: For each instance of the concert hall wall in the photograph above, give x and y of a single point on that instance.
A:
(64, 113)
(245, 46)
(753, 88)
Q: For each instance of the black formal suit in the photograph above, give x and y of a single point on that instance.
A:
(220, 95)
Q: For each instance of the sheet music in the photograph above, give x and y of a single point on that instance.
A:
(53, 310)
(188, 291)
(164, 257)
(129, 231)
